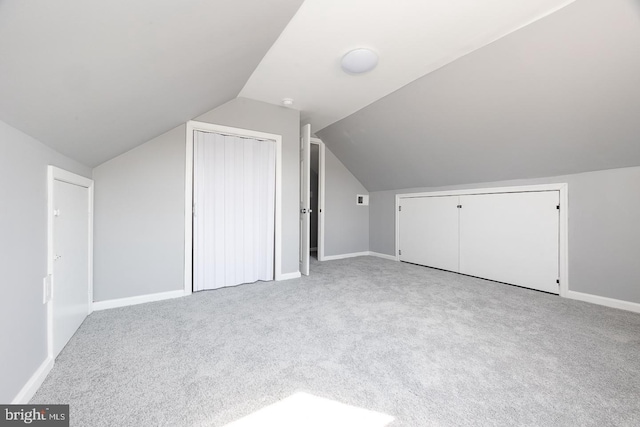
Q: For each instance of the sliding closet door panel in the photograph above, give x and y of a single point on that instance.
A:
(511, 238)
(234, 210)
(429, 231)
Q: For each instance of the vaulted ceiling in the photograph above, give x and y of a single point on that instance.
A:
(411, 37)
(93, 79)
(465, 90)
(559, 96)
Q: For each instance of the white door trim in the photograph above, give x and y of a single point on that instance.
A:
(57, 174)
(563, 188)
(188, 199)
(321, 189)
(305, 199)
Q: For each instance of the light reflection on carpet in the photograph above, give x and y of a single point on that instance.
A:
(303, 409)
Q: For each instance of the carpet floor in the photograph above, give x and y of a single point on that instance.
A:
(421, 346)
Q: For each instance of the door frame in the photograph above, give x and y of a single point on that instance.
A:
(321, 195)
(193, 126)
(563, 188)
(56, 174)
(304, 246)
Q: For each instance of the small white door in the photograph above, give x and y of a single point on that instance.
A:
(70, 291)
(511, 238)
(429, 231)
(305, 200)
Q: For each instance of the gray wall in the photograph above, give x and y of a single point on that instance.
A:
(139, 219)
(346, 224)
(604, 228)
(139, 196)
(23, 254)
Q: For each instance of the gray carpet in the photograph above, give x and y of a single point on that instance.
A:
(425, 346)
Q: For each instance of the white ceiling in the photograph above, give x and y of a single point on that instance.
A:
(412, 38)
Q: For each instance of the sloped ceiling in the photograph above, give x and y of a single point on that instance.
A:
(94, 79)
(411, 37)
(555, 91)
(559, 96)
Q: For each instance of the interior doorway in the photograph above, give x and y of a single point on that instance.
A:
(312, 153)
(316, 196)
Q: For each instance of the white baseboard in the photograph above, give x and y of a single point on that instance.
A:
(342, 256)
(140, 299)
(29, 390)
(289, 276)
(609, 302)
(385, 256)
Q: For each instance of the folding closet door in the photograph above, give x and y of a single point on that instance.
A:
(234, 210)
(511, 238)
(428, 231)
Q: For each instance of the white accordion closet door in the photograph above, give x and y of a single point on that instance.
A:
(234, 210)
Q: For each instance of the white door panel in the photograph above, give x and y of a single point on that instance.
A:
(234, 193)
(305, 199)
(511, 238)
(70, 303)
(429, 231)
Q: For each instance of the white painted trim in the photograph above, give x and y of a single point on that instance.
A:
(563, 188)
(289, 276)
(33, 384)
(490, 190)
(188, 199)
(608, 302)
(564, 240)
(343, 256)
(385, 256)
(57, 174)
(140, 299)
(188, 211)
(321, 195)
(397, 232)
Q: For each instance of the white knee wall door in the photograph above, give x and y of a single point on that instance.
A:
(507, 237)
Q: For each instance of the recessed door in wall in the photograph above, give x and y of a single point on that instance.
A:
(511, 238)
(429, 231)
(71, 199)
(508, 236)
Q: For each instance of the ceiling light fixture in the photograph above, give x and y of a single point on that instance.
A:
(287, 102)
(359, 61)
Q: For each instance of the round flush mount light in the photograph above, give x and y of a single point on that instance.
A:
(359, 61)
(287, 102)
